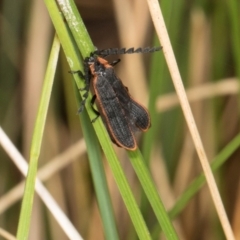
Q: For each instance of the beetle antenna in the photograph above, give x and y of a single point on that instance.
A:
(116, 51)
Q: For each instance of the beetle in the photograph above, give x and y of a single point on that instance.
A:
(136, 113)
(110, 106)
(121, 114)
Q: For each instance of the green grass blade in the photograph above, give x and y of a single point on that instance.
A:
(102, 135)
(26, 208)
(200, 180)
(77, 27)
(98, 175)
(162, 216)
(99, 179)
(152, 194)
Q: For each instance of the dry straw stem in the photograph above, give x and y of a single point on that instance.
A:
(228, 86)
(50, 203)
(6, 235)
(177, 81)
(44, 173)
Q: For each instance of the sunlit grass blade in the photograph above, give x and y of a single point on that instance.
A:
(104, 202)
(26, 208)
(152, 194)
(103, 137)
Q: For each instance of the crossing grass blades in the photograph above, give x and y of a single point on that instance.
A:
(121, 114)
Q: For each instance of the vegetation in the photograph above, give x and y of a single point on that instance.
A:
(97, 190)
